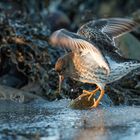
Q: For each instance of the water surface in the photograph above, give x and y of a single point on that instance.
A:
(56, 121)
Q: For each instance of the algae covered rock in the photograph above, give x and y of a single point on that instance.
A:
(84, 103)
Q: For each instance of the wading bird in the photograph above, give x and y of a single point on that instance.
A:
(94, 58)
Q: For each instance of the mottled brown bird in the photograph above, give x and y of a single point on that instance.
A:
(94, 58)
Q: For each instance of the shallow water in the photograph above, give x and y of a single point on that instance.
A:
(56, 121)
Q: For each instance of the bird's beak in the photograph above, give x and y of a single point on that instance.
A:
(61, 78)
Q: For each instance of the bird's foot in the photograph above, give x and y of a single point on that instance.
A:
(85, 93)
(88, 93)
(96, 103)
(92, 93)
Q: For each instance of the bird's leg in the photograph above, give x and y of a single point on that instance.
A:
(92, 93)
(85, 93)
(96, 103)
(88, 93)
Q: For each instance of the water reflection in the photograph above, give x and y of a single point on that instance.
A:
(98, 130)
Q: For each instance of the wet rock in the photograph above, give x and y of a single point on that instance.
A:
(84, 103)
(15, 95)
(12, 81)
(24, 57)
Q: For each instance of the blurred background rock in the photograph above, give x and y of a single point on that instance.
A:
(27, 60)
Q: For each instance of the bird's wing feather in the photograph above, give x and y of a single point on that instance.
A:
(79, 45)
(113, 27)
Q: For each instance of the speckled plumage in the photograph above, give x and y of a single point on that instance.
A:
(94, 58)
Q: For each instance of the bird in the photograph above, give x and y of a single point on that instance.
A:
(92, 55)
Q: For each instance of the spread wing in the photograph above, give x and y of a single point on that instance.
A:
(107, 29)
(78, 45)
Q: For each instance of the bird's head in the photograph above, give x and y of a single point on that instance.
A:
(62, 67)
